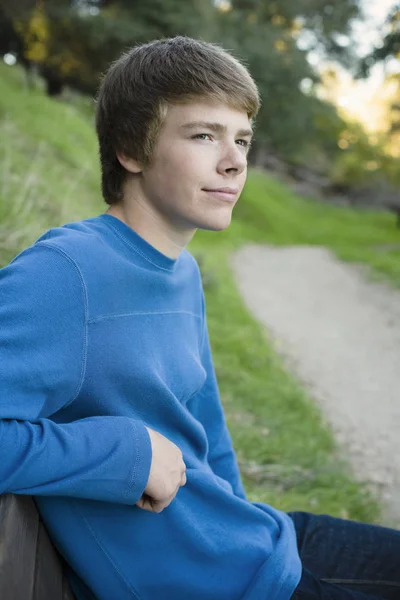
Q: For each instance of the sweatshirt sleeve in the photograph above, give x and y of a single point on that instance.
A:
(209, 411)
(43, 315)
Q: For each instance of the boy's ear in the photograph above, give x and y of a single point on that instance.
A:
(130, 164)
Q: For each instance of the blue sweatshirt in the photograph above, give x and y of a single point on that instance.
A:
(102, 335)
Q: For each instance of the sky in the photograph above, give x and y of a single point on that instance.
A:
(375, 12)
(366, 100)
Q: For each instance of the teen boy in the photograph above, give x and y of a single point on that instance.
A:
(110, 409)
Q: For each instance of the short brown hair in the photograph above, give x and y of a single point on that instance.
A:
(134, 94)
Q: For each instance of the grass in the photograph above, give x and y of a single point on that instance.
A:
(286, 452)
(48, 160)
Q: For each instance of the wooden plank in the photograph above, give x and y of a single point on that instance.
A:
(48, 572)
(50, 580)
(67, 593)
(30, 566)
(19, 523)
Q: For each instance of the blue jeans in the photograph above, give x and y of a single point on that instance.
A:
(346, 560)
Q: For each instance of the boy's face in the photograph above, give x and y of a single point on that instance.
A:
(202, 147)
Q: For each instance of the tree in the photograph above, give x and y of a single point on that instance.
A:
(324, 21)
(16, 8)
(74, 41)
(292, 122)
(388, 49)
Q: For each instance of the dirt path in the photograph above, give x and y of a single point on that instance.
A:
(340, 334)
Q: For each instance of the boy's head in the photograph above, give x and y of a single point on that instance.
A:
(139, 87)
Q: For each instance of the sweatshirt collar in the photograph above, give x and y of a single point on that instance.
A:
(133, 239)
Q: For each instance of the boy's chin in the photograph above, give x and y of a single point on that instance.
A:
(216, 224)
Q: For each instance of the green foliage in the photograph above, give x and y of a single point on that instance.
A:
(363, 161)
(322, 19)
(161, 18)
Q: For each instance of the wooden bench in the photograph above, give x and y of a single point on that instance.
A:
(30, 566)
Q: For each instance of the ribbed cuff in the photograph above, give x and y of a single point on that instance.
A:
(141, 462)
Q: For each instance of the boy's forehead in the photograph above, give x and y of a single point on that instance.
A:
(201, 111)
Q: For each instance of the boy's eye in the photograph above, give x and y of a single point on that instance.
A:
(201, 136)
(244, 143)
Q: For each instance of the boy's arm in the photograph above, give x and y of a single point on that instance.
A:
(207, 408)
(42, 363)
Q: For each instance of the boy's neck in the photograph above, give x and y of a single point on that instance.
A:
(151, 227)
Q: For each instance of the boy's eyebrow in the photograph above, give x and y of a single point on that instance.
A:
(217, 127)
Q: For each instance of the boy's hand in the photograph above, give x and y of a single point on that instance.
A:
(167, 474)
